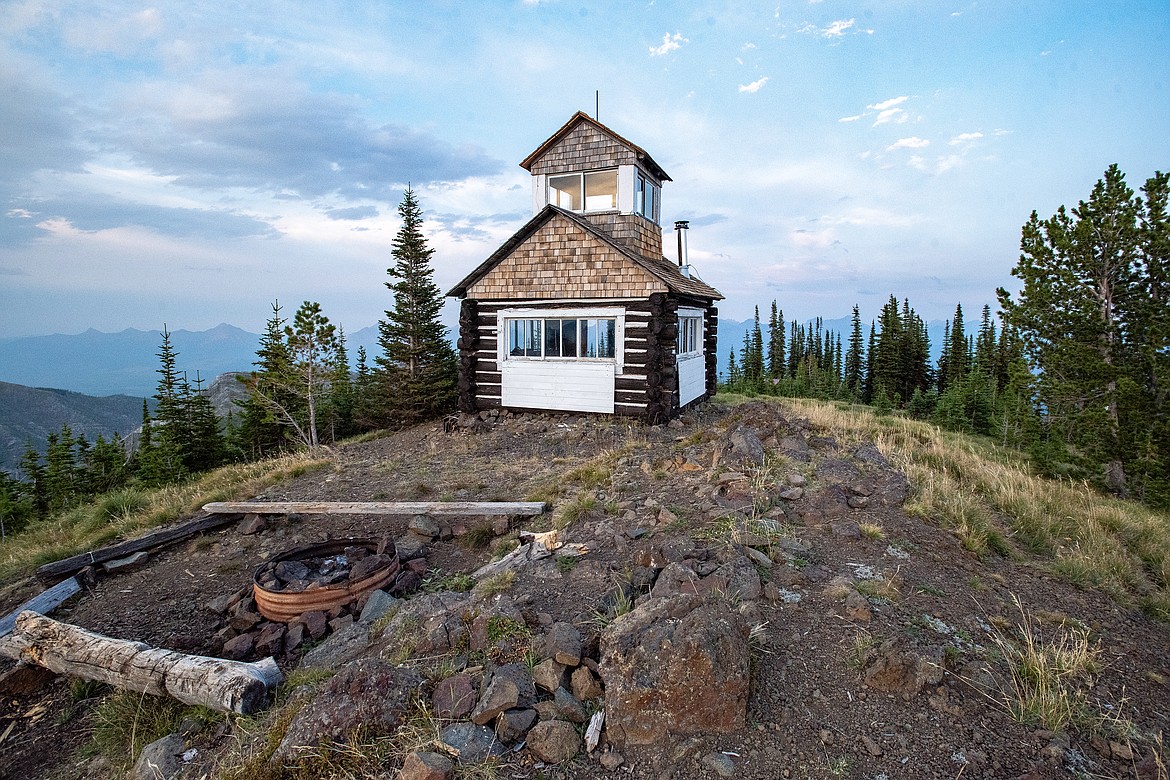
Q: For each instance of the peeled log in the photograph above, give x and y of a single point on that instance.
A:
(227, 686)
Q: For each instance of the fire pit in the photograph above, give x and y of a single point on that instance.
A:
(321, 577)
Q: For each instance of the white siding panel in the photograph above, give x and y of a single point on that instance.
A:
(692, 379)
(568, 387)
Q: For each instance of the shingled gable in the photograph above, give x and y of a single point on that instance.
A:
(580, 121)
(662, 270)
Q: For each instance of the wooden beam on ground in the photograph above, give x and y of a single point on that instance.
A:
(434, 508)
(227, 686)
(51, 572)
(44, 603)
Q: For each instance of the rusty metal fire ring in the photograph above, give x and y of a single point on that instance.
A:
(284, 607)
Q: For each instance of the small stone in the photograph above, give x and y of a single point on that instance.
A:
(368, 566)
(454, 698)
(563, 644)
(316, 623)
(377, 606)
(554, 741)
(720, 764)
(569, 707)
(796, 479)
(857, 607)
(512, 725)
(471, 743)
(129, 563)
(1121, 750)
(294, 636)
(611, 759)
(238, 647)
(757, 557)
(826, 737)
(584, 684)
(424, 525)
(792, 494)
(870, 746)
(424, 765)
(858, 502)
(159, 759)
(548, 675)
(666, 517)
(270, 640)
(291, 570)
(511, 687)
(251, 523)
(338, 623)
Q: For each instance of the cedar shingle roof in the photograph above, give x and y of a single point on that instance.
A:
(662, 269)
(580, 117)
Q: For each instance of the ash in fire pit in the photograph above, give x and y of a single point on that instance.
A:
(353, 564)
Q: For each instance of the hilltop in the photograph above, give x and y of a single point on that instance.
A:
(882, 596)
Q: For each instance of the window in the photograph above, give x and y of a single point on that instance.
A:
(563, 338)
(646, 198)
(584, 191)
(690, 335)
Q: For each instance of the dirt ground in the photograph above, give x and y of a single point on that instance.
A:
(810, 712)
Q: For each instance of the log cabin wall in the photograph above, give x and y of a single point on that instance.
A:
(644, 353)
(710, 349)
(468, 354)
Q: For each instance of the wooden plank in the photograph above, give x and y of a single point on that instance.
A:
(44, 603)
(434, 508)
(51, 572)
(227, 686)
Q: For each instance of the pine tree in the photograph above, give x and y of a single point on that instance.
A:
(854, 357)
(206, 449)
(260, 432)
(777, 362)
(163, 463)
(312, 348)
(1080, 272)
(417, 368)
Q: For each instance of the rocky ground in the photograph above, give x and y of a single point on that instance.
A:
(868, 635)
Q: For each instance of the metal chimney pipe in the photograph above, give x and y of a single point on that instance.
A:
(681, 227)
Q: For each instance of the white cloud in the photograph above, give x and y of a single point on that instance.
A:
(754, 86)
(853, 118)
(891, 116)
(669, 44)
(913, 142)
(886, 104)
(963, 138)
(838, 28)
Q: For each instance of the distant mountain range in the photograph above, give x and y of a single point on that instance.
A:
(126, 362)
(29, 414)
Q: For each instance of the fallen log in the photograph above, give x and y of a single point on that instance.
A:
(66, 567)
(44, 603)
(227, 686)
(436, 508)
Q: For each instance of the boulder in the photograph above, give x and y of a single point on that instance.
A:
(903, 669)
(512, 725)
(548, 675)
(677, 665)
(368, 694)
(744, 446)
(346, 645)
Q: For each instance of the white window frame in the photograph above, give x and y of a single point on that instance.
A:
(695, 319)
(618, 314)
(580, 176)
(647, 185)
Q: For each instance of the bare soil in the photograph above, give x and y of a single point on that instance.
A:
(811, 713)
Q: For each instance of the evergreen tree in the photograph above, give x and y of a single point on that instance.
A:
(776, 358)
(417, 369)
(261, 432)
(34, 481)
(1080, 275)
(854, 358)
(312, 347)
(163, 461)
(16, 508)
(206, 449)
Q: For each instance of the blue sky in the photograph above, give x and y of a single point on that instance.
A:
(190, 162)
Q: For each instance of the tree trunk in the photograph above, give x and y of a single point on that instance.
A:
(227, 686)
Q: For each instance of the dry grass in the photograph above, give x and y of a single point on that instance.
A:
(1049, 679)
(989, 498)
(131, 512)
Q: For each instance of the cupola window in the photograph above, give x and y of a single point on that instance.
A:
(596, 191)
